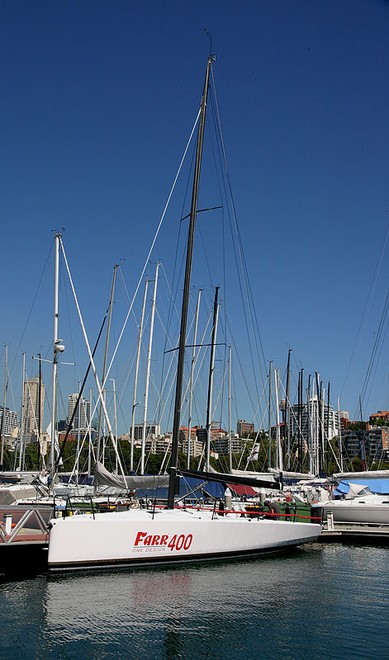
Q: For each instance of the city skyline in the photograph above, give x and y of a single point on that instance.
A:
(241, 427)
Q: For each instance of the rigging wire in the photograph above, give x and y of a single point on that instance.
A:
(366, 308)
(242, 260)
(378, 338)
(140, 279)
(32, 305)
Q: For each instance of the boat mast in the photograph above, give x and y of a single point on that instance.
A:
(39, 410)
(100, 440)
(340, 438)
(2, 427)
(310, 436)
(269, 461)
(58, 348)
(185, 297)
(22, 415)
(147, 384)
(319, 425)
(192, 366)
(279, 459)
(134, 402)
(327, 422)
(208, 423)
(229, 406)
(115, 420)
(90, 432)
(300, 420)
(79, 404)
(287, 412)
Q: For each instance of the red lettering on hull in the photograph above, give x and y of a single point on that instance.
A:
(176, 542)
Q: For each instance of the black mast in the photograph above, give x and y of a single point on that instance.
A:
(185, 297)
(300, 420)
(39, 409)
(287, 412)
(210, 379)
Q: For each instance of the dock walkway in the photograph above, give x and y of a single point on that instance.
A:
(23, 539)
(356, 533)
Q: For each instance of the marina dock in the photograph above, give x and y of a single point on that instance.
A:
(358, 534)
(23, 539)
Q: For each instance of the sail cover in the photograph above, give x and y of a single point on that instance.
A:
(131, 482)
(247, 480)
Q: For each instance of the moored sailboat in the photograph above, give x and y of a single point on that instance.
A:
(358, 506)
(154, 536)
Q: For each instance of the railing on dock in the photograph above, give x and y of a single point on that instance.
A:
(23, 525)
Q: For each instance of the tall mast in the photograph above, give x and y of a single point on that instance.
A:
(191, 378)
(210, 378)
(319, 425)
(148, 368)
(229, 406)
(22, 415)
(134, 401)
(327, 421)
(103, 378)
(310, 432)
(269, 461)
(185, 296)
(115, 420)
(279, 461)
(340, 438)
(300, 420)
(57, 349)
(90, 432)
(287, 412)
(39, 409)
(2, 428)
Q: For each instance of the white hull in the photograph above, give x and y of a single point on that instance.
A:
(140, 537)
(368, 510)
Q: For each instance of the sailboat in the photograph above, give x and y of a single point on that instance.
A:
(359, 505)
(154, 536)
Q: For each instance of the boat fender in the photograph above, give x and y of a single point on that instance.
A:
(228, 498)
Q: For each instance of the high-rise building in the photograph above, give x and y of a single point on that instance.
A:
(222, 445)
(198, 437)
(368, 443)
(152, 431)
(312, 414)
(244, 428)
(82, 416)
(10, 421)
(33, 408)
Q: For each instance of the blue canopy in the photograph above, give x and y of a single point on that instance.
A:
(189, 487)
(380, 486)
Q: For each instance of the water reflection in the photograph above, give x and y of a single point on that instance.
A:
(174, 611)
(306, 604)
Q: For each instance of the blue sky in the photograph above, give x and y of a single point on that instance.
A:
(98, 100)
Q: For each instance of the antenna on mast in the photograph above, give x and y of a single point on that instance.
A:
(210, 41)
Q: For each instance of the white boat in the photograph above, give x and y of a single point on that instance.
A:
(142, 536)
(360, 505)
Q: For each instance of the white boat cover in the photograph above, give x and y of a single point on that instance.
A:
(131, 482)
(11, 494)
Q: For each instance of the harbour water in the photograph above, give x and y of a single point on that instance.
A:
(320, 601)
